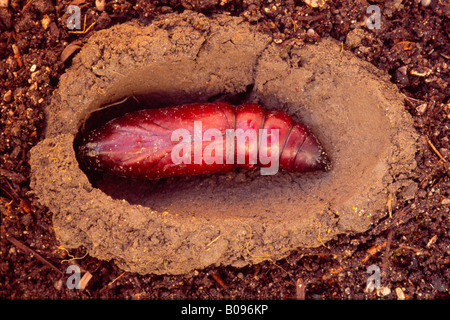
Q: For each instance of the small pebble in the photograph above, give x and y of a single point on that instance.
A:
(58, 284)
(383, 291)
(401, 75)
(100, 5)
(310, 32)
(444, 152)
(421, 109)
(46, 20)
(7, 96)
(315, 3)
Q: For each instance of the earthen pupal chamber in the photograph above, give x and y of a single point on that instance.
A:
(173, 226)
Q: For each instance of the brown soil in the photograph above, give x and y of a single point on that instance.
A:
(412, 246)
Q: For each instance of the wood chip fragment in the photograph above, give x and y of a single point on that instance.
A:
(300, 289)
(219, 280)
(69, 51)
(420, 72)
(400, 294)
(46, 21)
(432, 241)
(85, 279)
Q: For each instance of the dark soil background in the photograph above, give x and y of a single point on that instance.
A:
(411, 246)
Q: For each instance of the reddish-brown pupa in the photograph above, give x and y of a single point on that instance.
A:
(201, 138)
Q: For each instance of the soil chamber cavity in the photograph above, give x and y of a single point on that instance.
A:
(175, 225)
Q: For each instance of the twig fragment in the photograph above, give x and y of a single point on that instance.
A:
(22, 246)
(85, 279)
(84, 31)
(436, 150)
(112, 282)
(17, 55)
(219, 280)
